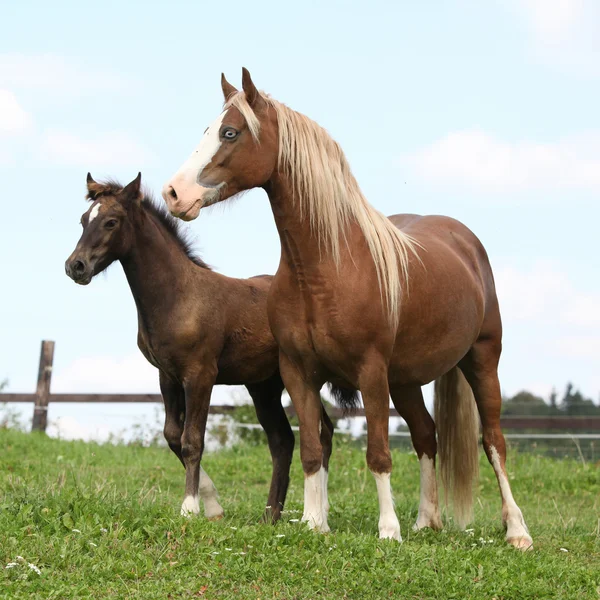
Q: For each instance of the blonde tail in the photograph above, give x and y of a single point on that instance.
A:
(457, 424)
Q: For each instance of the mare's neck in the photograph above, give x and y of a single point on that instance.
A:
(299, 244)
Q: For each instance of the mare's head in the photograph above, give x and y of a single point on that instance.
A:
(107, 231)
(229, 158)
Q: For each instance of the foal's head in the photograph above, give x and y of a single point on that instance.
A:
(107, 231)
(229, 158)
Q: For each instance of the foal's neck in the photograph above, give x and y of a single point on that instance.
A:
(155, 266)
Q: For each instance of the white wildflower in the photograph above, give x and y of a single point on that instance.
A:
(563, 550)
(280, 535)
(34, 568)
(76, 530)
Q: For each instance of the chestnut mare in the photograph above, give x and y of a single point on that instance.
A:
(197, 327)
(379, 305)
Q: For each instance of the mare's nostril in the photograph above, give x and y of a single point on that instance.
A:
(172, 193)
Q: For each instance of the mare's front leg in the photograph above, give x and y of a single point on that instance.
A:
(374, 387)
(198, 388)
(306, 398)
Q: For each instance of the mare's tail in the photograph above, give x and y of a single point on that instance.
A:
(457, 424)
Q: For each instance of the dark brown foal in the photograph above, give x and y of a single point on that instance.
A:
(197, 327)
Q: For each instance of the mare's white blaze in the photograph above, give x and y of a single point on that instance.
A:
(94, 212)
(191, 170)
(190, 506)
(429, 512)
(209, 495)
(389, 526)
(315, 499)
(515, 524)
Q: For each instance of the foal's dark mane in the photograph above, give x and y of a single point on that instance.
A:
(171, 225)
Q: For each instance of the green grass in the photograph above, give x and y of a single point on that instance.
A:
(103, 522)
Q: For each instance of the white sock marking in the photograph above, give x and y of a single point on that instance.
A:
(209, 495)
(94, 212)
(315, 499)
(190, 506)
(515, 524)
(389, 526)
(429, 513)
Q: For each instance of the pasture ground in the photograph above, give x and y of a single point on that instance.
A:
(102, 522)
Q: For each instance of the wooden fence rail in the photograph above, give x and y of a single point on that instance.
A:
(42, 398)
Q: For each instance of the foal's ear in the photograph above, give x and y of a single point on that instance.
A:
(93, 187)
(228, 89)
(133, 190)
(252, 94)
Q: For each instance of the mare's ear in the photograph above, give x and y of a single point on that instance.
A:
(252, 94)
(93, 187)
(133, 191)
(228, 89)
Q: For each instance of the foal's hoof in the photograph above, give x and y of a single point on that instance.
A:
(270, 516)
(434, 523)
(522, 543)
(215, 517)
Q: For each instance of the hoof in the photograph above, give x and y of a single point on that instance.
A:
(270, 517)
(390, 531)
(434, 523)
(215, 517)
(316, 524)
(522, 543)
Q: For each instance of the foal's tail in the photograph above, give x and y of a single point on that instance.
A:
(457, 424)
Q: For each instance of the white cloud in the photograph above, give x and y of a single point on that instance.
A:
(547, 294)
(105, 374)
(580, 346)
(56, 74)
(13, 118)
(475, 159)
(101, 150)
(564, 33)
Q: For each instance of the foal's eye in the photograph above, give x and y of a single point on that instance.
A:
(110, 224)
(229, 133)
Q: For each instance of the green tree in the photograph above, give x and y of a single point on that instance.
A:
(525, 403)
(574, 403)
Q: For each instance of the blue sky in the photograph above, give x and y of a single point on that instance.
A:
(487, 112)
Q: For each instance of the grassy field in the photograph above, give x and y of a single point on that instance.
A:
(103, 522)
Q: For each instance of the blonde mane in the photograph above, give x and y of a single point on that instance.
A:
(328, 193)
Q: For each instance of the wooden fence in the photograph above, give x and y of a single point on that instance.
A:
(42, 398)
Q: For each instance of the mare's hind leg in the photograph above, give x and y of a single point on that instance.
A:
(271, 415)
(374, 386)
(411, 407)
(480, 369)
(174, 399)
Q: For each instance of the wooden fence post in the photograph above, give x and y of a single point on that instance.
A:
(42, 394)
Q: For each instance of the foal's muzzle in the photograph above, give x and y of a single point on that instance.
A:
(79, 271)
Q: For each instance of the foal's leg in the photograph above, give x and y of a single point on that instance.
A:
(271, 415)
(411, 407)
(480, 369)
(327, 429)
(197, 399)
(174, 398)
(376, 399)
(307, 403)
